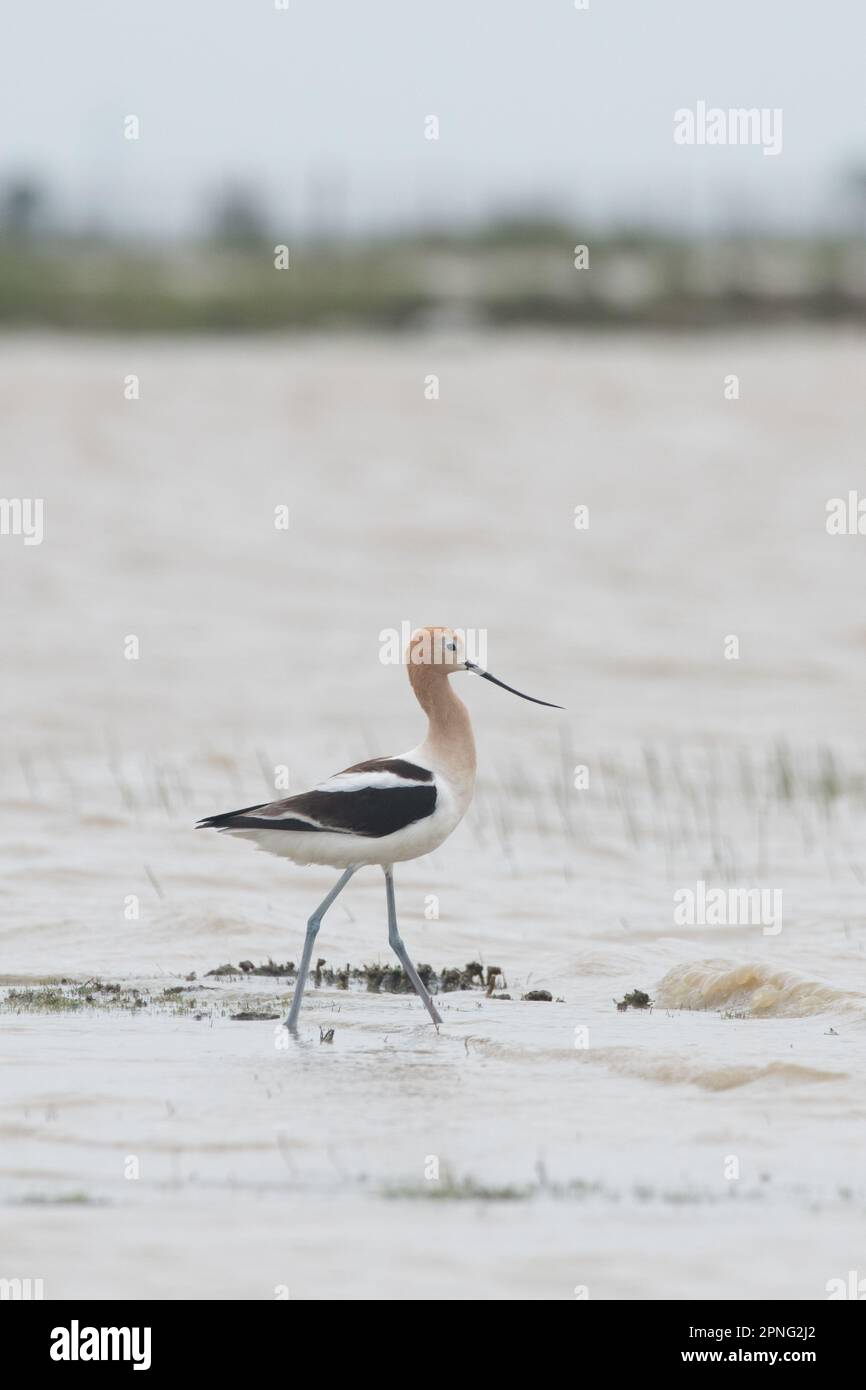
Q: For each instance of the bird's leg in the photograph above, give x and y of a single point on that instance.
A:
(396, 943)
(312, 928)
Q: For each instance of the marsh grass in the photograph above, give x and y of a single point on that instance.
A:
(725, 807)
(374, 977)
(46, 999)
(197, 1000)
(459, 1190)
(450, 1188)
(71, 997)
(60, 1199)
(636, 999)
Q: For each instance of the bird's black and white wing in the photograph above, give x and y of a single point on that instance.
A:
(370, 800)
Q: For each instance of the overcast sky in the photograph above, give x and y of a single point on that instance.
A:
(539, 104)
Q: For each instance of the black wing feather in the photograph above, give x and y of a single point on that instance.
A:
(368, 811)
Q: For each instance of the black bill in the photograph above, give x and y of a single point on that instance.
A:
(485, 675)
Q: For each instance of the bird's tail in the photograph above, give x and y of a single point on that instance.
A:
(225, 820)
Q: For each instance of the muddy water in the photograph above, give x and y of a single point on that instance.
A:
(709, 1147)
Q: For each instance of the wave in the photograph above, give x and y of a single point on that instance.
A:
(754, 988)
(679, 1071)
(667, 1068)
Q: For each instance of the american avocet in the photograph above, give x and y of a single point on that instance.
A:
(385, 810)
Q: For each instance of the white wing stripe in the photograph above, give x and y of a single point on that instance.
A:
(367, 781)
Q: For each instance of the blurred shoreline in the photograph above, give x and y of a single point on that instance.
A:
(506, 274)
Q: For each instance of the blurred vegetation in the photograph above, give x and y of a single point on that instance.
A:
(512, 270)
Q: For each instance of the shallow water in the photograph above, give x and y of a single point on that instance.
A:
(577, 1145)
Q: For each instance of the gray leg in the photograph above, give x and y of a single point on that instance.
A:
(312, 928)
(396, 942)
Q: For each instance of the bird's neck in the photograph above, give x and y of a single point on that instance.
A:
(449, 743)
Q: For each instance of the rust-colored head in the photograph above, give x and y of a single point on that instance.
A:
(439, 648)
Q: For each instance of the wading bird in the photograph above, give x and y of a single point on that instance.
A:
(385, 810)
